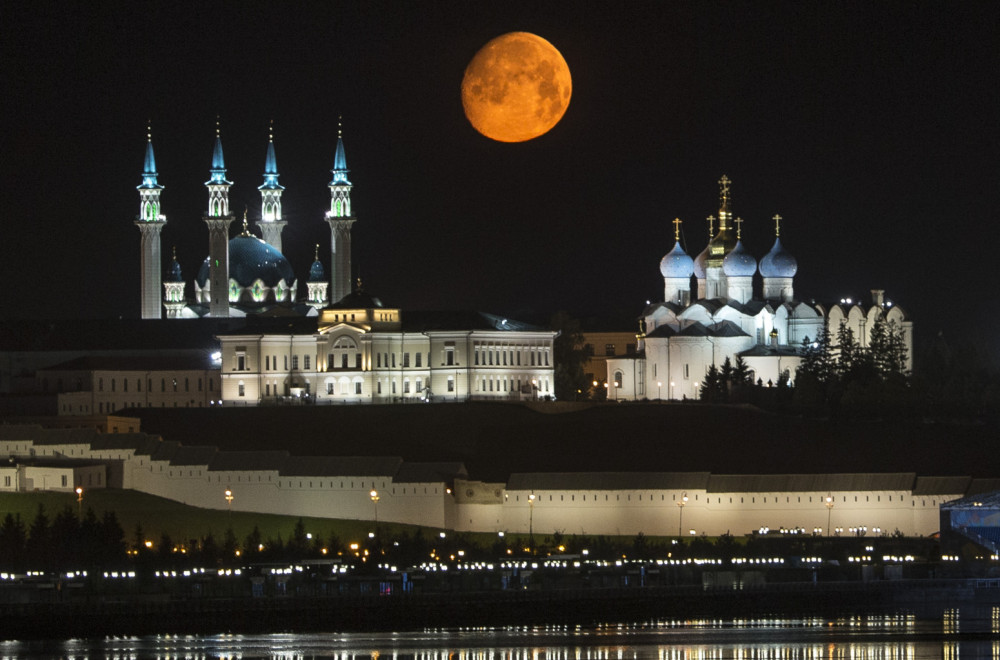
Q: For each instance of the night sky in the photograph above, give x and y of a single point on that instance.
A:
(871, 127)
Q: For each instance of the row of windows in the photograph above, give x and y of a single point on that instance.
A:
(510, 357)
(149, 384)
(753, 499)
(112, 406)
(505, 384)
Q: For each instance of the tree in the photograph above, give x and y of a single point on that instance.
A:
(13, 540)
(568, 356)
(39, 543)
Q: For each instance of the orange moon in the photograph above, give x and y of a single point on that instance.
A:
(516, 88)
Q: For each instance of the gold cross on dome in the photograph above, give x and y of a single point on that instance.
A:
(677, 229)
(777, 224)
(739, 228)
(711, 226)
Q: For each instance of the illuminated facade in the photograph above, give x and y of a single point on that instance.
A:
(709, 313)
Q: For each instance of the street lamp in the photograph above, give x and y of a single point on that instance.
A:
(659, 395)
(79, 502)
(229, 502)
(670, 394)
(534, 389)
(829, 511)
(531, 522)
(680, 517)
(375, 499)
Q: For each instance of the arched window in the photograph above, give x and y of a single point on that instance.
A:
(618, 379)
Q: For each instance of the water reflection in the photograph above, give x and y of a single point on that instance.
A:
(953, 635)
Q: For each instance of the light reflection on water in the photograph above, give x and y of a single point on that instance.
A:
(895, 637)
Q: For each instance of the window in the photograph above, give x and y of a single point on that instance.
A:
(588, 349)
(406, 359)
(420, 385)
(378, 360)
(449, 356)
(112, 384)
(267, 362)
(618, 379)
(357, 387)
(329, 387)
(687, 371)
(394, 360)
(243, 391)
(343, 361)
(124, 385)
(241, 362)
(609, 349)
(199, 384)
(64, 480)
(187, 384)
(306, 362)
(451, 384)
(406, 386)
(357, 360)
(295, 362)
(419, 356)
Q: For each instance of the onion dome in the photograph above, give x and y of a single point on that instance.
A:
(316, 272)
(251, 259)
(778, 262)
(677, 263)
(699, 264)
(739, 262)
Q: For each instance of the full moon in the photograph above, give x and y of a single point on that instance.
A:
(516, 88)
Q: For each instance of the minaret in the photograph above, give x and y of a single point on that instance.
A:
(150, 223)
(721, 245)
(271, 224)
(317, 284)
(340, 220)
(173, 290)
(218, 220)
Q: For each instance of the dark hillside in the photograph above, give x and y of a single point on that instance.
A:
(495, 439)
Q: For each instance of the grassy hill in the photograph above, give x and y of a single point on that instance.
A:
(496, 439)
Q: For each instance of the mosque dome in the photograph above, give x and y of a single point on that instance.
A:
(251, 259)
(739, 262)
(316, 272)
(677, 263)
(699, 264)
(778, 262)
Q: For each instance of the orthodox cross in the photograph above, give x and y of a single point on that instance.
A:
(677, 229)
(777, 225)
(739, 228)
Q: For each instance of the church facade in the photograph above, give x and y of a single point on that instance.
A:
(713, 310)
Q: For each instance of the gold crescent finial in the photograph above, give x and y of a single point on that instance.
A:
(246, 232)
(316, 257)
(739, 228)
(175, 253)
(777, 225)
(677, 229)
(359, 284)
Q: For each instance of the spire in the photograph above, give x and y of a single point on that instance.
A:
(724, 203)
(340, 160)
(270, 164)
(218, 161)
(149, 163)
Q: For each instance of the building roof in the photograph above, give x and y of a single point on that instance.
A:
(425, 321)
(804, 483)
(340, 466)
(430, 472)
(245, 461)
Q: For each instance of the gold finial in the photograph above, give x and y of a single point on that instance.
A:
(724, 195)
(711, 227)
(246, 232)
(739, 228)
(316, 257)
(175, 253)
(218, 130)
(359, 284)
(340, 126)
(777, 225)
(677, 229)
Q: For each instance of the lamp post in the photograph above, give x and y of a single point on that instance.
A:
(229, 502)
(531, 522)
(659, 395)
(79, 502)
(670, 394)
(534, 389)
(375, 499)
(680, 517)
(829, 512)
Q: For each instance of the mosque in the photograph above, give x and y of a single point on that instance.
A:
(709, 313)
(347, 347)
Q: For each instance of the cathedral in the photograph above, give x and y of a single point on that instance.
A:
(242, 275)
(710, 313)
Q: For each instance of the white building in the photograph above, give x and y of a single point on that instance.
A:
(444, 496)
(709, 313)
(362, 352)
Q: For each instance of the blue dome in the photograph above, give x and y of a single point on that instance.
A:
(677, 263)
(174, 273)
(699, 264)
(316, 272)
(250, 259)
(739, 262)
(778, 262)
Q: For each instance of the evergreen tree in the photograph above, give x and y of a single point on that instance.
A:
(13, 541)
(39, 543)
(253, 542)
(710, 387)
(569, 356)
